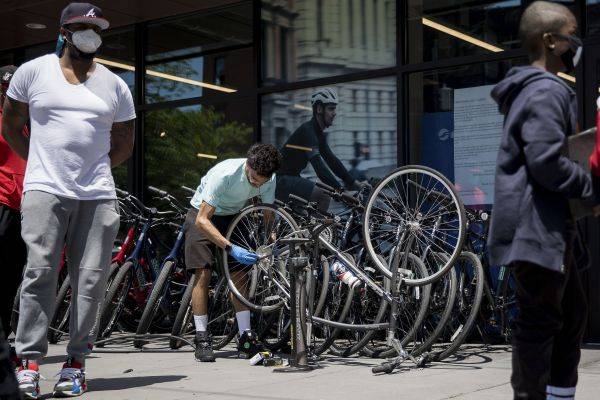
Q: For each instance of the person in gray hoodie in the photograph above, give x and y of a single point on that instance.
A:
(532, 229)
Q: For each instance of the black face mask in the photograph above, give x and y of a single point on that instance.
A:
(572, 56)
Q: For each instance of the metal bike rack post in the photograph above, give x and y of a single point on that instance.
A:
(297, 264)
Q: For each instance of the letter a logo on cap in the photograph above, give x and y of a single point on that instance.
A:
(91, 14)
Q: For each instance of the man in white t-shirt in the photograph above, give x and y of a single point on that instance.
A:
(82, 118)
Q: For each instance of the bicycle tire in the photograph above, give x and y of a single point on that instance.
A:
(462, 333)
(251, 303)
(328, 343)
(509, 305)
(158, 290)
(220, 298)
(182, 319)
(114, 300)
(363, 342)
(451, 194)
(60, 317)
(431, 338)
(423, 293)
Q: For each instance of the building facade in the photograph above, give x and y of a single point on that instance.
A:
(413, 77)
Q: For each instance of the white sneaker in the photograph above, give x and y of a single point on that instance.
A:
(28, 377)
(72, 380)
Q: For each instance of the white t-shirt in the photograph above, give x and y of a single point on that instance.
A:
(70, 128)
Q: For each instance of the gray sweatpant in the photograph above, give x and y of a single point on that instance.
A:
(88, 228)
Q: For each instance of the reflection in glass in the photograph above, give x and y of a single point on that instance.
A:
(118, 54)
(438, 30)
(200, 55)
(182, 144)
(593, 17)
(363, 134)
(455, 126)
(307, 39)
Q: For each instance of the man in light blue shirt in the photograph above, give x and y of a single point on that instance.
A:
(222, 193)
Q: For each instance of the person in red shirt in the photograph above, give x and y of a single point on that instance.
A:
(13, 254)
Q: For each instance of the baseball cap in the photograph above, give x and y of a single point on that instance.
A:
(6, 73)
(85, 13)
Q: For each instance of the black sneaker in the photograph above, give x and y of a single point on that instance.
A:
(248, 344)
(204, 350)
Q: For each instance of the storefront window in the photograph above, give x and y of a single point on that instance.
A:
(304, 40)
(182, 144)
(438, 30)
(201, 55)
(363, 135)
(593, 17)
(455, 126)
(118, 54)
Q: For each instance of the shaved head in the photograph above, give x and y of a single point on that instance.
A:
(539, 18)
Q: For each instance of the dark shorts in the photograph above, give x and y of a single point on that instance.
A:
(199, 251)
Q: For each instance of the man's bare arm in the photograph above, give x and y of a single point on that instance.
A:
(205, 225)
(122, 139)
(15, 115)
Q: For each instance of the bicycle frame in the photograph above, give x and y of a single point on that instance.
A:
(126, 247)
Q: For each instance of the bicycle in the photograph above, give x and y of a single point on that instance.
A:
(403, 229)
(170, 285)
(129, 289)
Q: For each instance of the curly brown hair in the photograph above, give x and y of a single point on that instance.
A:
(265, 159)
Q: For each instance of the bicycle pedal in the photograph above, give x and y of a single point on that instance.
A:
(243, 356)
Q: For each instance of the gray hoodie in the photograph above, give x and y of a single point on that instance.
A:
(534, 180)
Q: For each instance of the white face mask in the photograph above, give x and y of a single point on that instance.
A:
(86, 41)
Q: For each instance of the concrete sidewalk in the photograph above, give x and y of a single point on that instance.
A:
(118, 373)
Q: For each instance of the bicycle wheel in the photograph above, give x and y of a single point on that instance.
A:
(59, 324)
(416, 209)
(264, 286)
(411, 311)
(158, 290)
(466, 307)
(222, 324)
(414, 302)
(183, 326)
(506, 302)
(115, 300)
(366, 308)
(442, 302)
(62, 308)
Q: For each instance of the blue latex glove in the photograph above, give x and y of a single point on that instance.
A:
(243, 256)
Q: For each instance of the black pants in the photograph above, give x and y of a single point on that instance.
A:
(13, 256)
(548, 331)
(8, 382)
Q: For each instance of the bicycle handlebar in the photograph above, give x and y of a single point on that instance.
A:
(187, 189)
(325, 187)
(338, 195)
(298, 199)
(158, 191)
